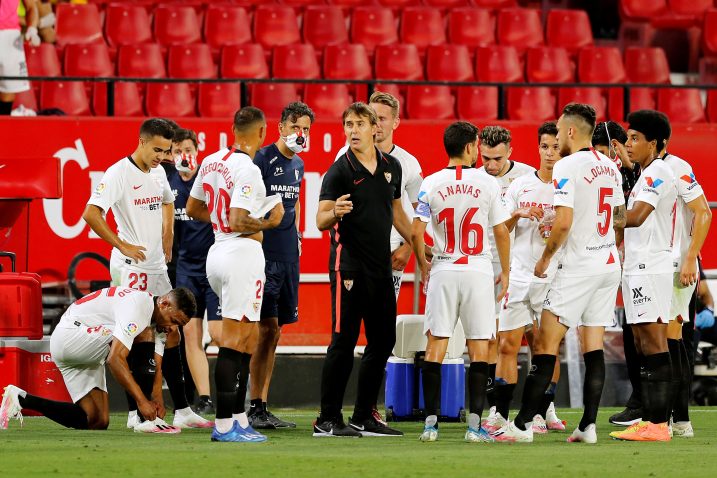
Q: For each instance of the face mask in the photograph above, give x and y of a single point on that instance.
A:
(295, 142)
(185, 163)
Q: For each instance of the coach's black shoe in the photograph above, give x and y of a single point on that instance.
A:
(278, 422)
(627, 417)
(259, 419)
(334, 427)
(373, 428)
(204, 406)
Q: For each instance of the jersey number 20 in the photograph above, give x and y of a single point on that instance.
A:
(471, 234)
(221, 206)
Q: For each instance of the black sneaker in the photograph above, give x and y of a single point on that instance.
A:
(204, 406)
(278, 422)
(627, 417)
(334, 427)
(373, 428)
(260, 420)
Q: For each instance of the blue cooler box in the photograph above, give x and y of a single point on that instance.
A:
(404, 390)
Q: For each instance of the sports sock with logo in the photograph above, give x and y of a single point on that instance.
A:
(174, 375)
(548, 398)
(592, 387)
(633, 360)
(537, 381)
(680, 409)
(143, 369)
(225, 380)
(659, 383)
(673, 347)
(431, 387)
(503, 396)
(243, 380)
(490, 390)
(69, 415)
(477, 384)
(644, 395)
(255, 405)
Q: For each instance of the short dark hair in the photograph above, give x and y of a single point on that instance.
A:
(184, 301)
(583, 111)
(247, 117)
(156, 127)
(175, 126)
(653, 124)
(294, 111)
(492, 136)
(608, 130)
(457, 136)
(182, 134)
(360, 109)
(547, 128)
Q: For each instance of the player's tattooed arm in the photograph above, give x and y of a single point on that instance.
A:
(94, 218)
(241, 221)
(636, 216)
(619, 217)
(197, 210)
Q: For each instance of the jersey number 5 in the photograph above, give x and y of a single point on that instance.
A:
(221, 206)
(469, 232)
(604, 210)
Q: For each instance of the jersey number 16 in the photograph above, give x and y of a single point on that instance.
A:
(469, 232)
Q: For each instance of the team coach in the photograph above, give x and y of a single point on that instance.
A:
(359, 202)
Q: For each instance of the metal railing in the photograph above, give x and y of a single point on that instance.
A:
(370, 84)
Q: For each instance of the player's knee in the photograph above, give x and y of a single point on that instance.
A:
(508, 347)
(100, 423)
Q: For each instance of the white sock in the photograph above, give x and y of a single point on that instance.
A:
(184, 412)
(224, 424)
(242, 419)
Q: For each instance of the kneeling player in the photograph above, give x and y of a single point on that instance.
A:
(101, 323)
(462, 204)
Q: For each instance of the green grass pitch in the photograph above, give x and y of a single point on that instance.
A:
(43, 448)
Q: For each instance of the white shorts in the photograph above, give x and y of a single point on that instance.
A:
(647, 298)
(80, 353)
(586, 300)
(681, 297)
(465, 294)
(522, 305)
(497, 287)
(235, 269)
(12, 61)
(155, 282)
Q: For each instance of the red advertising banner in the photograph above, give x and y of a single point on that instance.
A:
(52, 231)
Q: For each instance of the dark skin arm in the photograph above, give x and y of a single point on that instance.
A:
(197, 210)
(117, 363)
(241, 221)
(618, 223)
(639, 213)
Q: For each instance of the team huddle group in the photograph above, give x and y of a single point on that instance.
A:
(516, 251)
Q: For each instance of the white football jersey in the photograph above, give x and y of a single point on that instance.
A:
(516, 170)
(124, 311)
(525, 192)
(228, 179)
(462, 205)
(411, 177)
(688, 189)
(648, 248)
(591, 184)
(136, 199)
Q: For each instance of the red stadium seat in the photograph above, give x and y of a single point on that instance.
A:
(646, 65)
(325, 25)
(88, 60)
(519, 27)
(127, 25)
(170, 100)
(549, 65)
(642, 10)
(191, 61)
(42, 60)
(600, 65)
(449, 63)
(640, 98)
(591, 96)
(472, 27)
(494, 4)
(708, 71)
(219, 100)
(712, 105)
(709, 33)
(78, 24)
(346, 62)
(530, 104)
(141, 61)
(447, 4)
(498, 64)
(226, 25)
(176, 25)
(301, 4)
(394, 90)
(271, 98)
(127, 99)
(275, 25)
(695, 8)
(398, 62)
(398, 4)
(328, 100)
(568, 29)
(422, 26)
(295, 62)
(477, 103)
(28, 99)
(68, 96)
(681, 105)
(243, 61)
(373, 26)
(430, 102)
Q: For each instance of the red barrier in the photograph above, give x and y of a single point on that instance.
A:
(87, 146)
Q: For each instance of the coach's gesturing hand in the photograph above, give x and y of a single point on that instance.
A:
(132, 251)
(343, 206)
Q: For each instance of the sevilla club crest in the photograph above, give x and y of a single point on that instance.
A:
(388, 177)
(348, 284)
